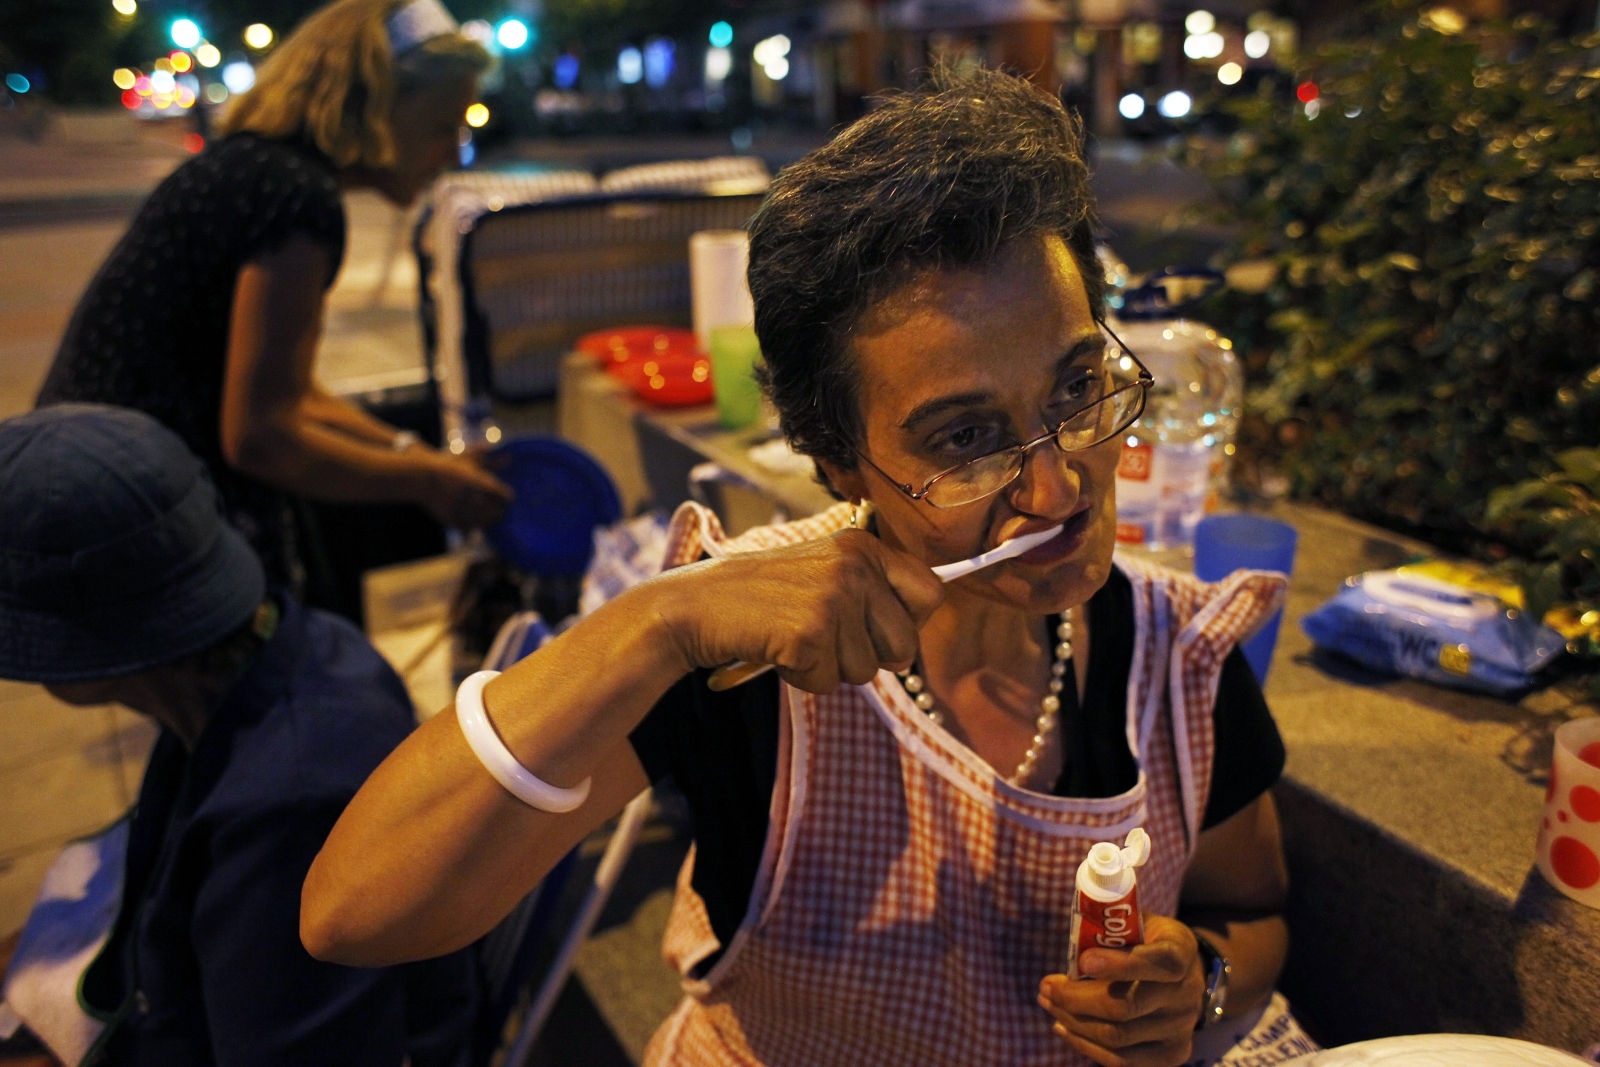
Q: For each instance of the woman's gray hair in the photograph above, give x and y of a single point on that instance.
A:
(940, 177)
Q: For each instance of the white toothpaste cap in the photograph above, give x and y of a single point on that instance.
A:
(1109, 867)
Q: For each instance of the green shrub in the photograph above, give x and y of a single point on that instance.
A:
(1434, 331)
(1560, 512)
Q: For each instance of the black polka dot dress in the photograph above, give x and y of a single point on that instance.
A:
(151, 331)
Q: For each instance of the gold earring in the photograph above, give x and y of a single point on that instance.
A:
(860, 514)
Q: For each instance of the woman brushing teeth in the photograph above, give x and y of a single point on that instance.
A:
(887, 827)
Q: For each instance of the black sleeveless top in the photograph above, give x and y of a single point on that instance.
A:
(151, 330)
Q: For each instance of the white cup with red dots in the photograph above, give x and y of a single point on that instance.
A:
(1569, 840)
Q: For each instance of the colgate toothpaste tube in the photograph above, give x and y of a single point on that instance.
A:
(1105, 912)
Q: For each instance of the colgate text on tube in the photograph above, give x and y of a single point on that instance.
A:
(1105, 912)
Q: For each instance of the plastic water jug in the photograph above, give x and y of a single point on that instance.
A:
(1175, 459)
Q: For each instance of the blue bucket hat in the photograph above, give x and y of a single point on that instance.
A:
(114, 555)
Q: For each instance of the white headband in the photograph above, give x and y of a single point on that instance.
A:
(419, 21)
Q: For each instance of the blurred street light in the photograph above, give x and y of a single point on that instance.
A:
(566, 70)
(1256, 43)
(772, 55)
(180, 61)
(125, 8)
(185, 34)
(17, 83)
(512, 34)
(216, 92)
(208, 55)
(630, 66)
(1230, 73)
(477, 116)
(123, 78)
(1206, 45)
(258, 35)
(1175, 105)
(161, 82)
(721, 35)
(659, 55)
(238, 76)
(719, 62)
(1131, 106)
(1200, 22)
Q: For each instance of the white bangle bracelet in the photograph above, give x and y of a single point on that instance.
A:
(497, 758)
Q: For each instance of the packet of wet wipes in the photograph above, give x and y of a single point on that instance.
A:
(1418, 626)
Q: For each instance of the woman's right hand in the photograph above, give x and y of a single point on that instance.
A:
(824, 612)
(458, 492)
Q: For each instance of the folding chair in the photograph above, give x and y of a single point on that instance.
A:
(536, 277)
(507, 953)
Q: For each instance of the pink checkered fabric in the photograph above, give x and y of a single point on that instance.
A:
(909, 899)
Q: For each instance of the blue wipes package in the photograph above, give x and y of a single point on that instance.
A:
(1420, 627)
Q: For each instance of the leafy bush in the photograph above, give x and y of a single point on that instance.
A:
(1560, 512)
(1432, 333)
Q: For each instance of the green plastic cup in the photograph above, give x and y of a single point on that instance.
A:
(734, 352)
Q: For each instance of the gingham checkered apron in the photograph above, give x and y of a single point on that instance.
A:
(909, 899)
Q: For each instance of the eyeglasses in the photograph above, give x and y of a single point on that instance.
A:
(1115, 402)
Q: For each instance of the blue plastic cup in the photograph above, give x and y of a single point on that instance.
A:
(1227, 543)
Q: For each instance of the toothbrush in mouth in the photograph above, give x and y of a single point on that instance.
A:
(739, 672)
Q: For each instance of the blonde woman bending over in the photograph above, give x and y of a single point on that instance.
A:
(207, 313)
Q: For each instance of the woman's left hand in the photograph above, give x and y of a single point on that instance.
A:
(1136, 1008)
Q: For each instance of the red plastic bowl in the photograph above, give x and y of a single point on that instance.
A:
(669, 380)
(612, 347)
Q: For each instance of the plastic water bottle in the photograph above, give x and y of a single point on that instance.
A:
(1175, 459)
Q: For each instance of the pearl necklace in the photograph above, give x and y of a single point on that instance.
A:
(1049, 705)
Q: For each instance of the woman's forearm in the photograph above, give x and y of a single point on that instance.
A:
(298, 451)
(1255, 947)
(432, 852)
(340, 414)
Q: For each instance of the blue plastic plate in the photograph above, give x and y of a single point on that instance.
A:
(562, 495)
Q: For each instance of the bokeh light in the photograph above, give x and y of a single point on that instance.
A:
(1131, 106)
(1307, 92)
(477, 116)
(17, 83)
(123, 78)
(216, 93)
(1257, 43)
(659, 56)
(721, 35)
(1206, 45)
(258, 35)
(125, 8)
(630, 66)
(161, 82)
(566, 70)
(208, 55)
(185, 33)
(238, 76)
(772, 54)
(719, 61)
(1175, 105)
(512, 34)
(131, 99)
(1230, 73)
(1200, 22)
(180, 61)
